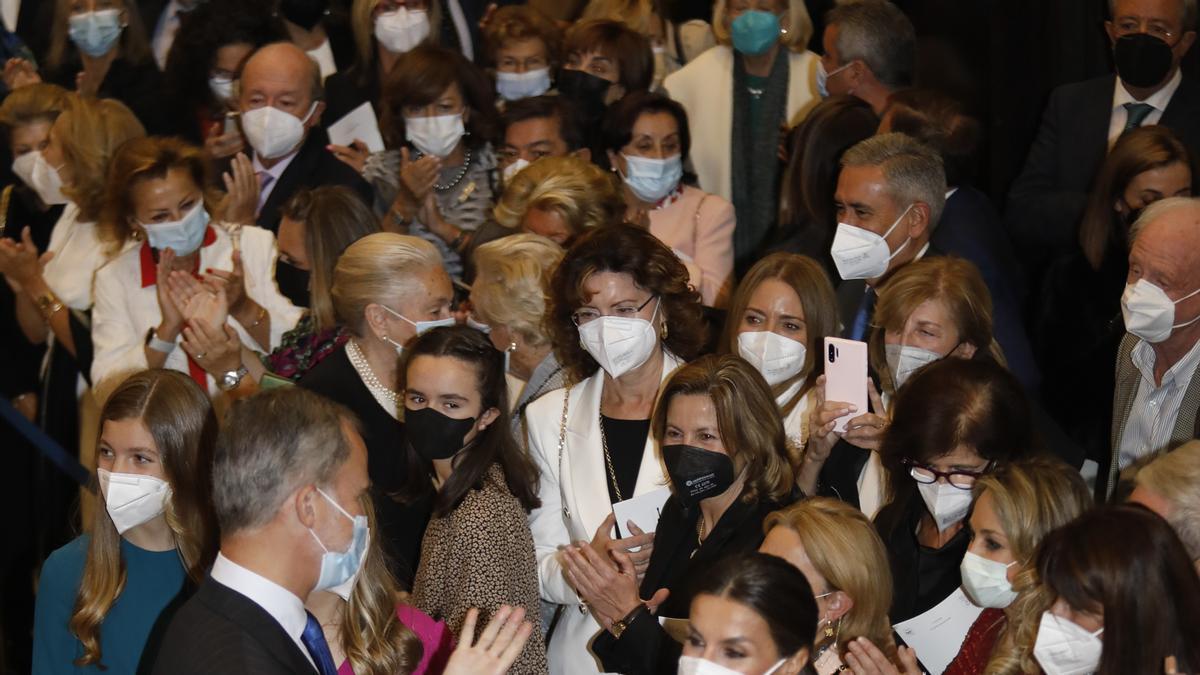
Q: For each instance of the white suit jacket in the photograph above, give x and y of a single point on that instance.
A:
(705, 89)
(127, 302)
(574, 504)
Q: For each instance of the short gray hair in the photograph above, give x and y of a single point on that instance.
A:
(1175, 476)
(271, 444)
(913, 171)
(1188, 7)
(1159, 209)
(877, 33)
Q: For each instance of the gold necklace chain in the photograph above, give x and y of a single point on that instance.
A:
(612, 473)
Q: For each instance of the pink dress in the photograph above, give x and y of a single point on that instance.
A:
(437, 641)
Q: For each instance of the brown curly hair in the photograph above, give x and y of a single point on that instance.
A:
(623, 249)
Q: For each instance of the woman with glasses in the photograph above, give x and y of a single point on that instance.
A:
(953, 422)
(622, 319)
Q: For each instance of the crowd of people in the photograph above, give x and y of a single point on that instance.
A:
(435, 336)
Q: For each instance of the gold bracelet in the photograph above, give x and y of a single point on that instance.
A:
(262, 314)
(48, 304)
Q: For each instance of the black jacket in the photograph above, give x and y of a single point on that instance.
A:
(222, 631)
(313, 166)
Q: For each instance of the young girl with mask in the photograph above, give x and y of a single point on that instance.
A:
(150, 309)
(759, 602)
(724, 449)
(1124, 596)
(622, 319)
(477, 550)
(647, 140)
(153, 531)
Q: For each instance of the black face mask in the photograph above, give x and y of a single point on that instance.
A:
(584, 91)
(293, 283)
(433, 435)
(1142, 59)
(304, 13)
(697, 473)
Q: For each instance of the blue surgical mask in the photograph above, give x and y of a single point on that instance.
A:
(516, 86)
(755, 31)
(421, 326)
(823, 77)
(338, 567)
(652, 179)
(94, 33)
(184, 236)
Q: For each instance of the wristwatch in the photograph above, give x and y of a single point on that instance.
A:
(231, 379)
(619, 627)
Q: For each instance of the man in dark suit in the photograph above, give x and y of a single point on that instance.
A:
(1083, 119)
(280, 81)
(289, 476)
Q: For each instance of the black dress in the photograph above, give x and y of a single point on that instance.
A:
(138, 85)
(677, 565)
(401, 527)
(921, 576)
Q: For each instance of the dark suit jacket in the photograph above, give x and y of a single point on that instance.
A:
(222, 631)
(313, 166)
(1048, 198)
(33, 26)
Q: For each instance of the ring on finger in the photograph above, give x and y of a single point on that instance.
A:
(198, 356)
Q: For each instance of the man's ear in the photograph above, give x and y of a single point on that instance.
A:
(303, 500)
(919, 223)
(314, 120)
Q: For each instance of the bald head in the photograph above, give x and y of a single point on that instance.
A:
(283, 76)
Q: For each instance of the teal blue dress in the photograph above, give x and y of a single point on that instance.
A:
(153, 580)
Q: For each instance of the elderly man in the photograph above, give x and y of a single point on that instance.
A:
(1082, 120)
(289, 476)
(1170, 487)
(281, 106)
(870, 51)
(1157, 391)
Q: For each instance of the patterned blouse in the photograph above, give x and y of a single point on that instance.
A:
(481, 555)
(303, 347)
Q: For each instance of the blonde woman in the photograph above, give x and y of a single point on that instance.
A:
(759, 67)
(559, 198)
(509, 298)
(838, 550)
(783, 309)
(100, 595)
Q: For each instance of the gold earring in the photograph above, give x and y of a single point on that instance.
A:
(664, 330)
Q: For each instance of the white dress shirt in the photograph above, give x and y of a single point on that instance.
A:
(283, 605)
(275, 172)
(127, 302)
(323, 55)
(10, 12)
(1155, 408)
(1160, 99)
(164, 32)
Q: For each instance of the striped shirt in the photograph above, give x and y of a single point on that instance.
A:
(1155, 408)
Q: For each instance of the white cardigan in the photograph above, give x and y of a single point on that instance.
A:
(575, 503)
(705, 89)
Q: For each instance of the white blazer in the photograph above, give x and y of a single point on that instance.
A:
(705, 89)
(127, 303)
(574, 504)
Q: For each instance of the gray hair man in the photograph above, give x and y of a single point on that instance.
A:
(870, 51)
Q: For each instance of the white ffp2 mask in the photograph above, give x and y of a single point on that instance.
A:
(904, 360)
(132, 499)
(778, 358)
(861, 254)
(946, 503)
(272, 132)
(1064, 647)
(620, 344)
(402, 29)
(1149, 313)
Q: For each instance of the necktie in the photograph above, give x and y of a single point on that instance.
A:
(264, 181)
(862, 318)
(314, 641)
(1135, 114)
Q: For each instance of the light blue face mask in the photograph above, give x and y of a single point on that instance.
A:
(421, 326)
(338, 567)
(184, 236)
(652, 179)
(94, 33)
(755, 31)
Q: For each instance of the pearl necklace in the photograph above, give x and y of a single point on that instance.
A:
(462, 173)
(380, 392)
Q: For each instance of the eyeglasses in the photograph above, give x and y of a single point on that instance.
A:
(1131, 26)
(583, 316)
(963, 480)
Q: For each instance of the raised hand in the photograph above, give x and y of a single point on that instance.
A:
(353, 155)
(241, 192)
(497, 648)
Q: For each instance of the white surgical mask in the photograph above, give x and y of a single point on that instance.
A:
(862, 254)
(272, 132)
(986, 581)
(95, 33)
(516, 86)
(946, 503)
(823, 77)
(778, 358)
(132, 499)
(694, 665)
(620, 344)
(1065, 648)
(904, 360)
(402, 29)
(221, 87)
(514, 169)
(184, 236)
(1149, 313)
(37, 173)
(340, 567)
(436, 135)
(652, 179)
(420, 326)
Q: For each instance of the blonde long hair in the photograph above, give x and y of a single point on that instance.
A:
(1030, 498)
(844, 547)
(90, 131)
(180, 419)
(511, 277)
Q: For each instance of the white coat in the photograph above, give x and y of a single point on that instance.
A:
(574, 504)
